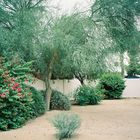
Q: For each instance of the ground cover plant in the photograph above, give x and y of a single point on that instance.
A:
(66, 124)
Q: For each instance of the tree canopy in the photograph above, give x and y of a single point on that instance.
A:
(69, 45)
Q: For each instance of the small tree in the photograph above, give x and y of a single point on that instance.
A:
(58, 43)
(65, 48)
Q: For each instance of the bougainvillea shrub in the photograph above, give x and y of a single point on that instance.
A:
(15, 96)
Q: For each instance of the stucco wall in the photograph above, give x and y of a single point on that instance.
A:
(65, 86)
(68, 86)
(132, 88)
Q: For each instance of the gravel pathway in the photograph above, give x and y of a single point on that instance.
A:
(111, 120)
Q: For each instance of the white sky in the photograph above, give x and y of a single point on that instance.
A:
(68, 6)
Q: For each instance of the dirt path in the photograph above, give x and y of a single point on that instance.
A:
(112, 120)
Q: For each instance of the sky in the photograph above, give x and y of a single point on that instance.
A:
(68, 6)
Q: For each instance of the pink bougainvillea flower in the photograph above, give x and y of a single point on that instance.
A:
(16, 84)
(3, 95)
(14, 88)
(19, 89)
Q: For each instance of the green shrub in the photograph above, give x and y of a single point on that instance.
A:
(59, 101)
(113, 85)
(133, 69)
(66, 124)
(86, 95)
(38, 106)
(15, 97)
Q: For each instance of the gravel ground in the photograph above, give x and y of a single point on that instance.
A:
(111, 120)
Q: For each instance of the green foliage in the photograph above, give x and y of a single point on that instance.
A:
(59, 101)
(134, 67)
(66, 124)
(86, 95)
(66, 35)
(72, 50)
(19, 27)
(118, 17)
(112, 84)
(15, 97)
(38, 106)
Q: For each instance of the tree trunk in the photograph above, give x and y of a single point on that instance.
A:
(48, 79)
(82, 82)
(80, 77)
(122, 64)
(48, 90)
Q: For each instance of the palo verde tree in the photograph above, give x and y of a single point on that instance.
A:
(118, 17)
(58, 42)
(66, 48)
(86, 61)
(19, 26)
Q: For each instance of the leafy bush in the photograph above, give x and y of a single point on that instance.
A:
(38, 106)
(133, 69)
(134, 66)
(15, 97)
(86, 95)
(59, 101)
(112, 84)
(66, 124)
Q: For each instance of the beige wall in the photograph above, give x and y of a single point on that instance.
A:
(65, 86)
(132, 88)
(69, 86)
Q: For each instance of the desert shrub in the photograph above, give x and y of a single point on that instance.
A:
(133, 69)
(15, 97)
(86, 95)
(38, 106)
(66, 124)
(59, 101)
(113, 85)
